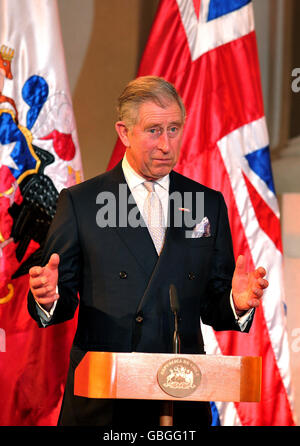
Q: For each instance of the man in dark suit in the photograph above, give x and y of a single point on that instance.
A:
(119, 244)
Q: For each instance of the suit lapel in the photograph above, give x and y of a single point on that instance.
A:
(137, 239)
(173, 233)
(174, 230)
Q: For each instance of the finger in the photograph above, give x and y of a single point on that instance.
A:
(260, 272)
(263, 283)
(47, 300)
(53, 261)
(241, 264)
(254, 303)
(38, 282)
(44, 292)
(258, 292)
(35, 271)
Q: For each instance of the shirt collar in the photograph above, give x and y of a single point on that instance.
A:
(134, 179)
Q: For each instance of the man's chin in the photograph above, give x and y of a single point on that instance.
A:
(161, 170)
(156, 175)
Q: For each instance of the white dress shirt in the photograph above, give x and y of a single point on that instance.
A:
(139, 192)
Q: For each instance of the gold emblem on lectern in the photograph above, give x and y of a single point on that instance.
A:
(179, 377)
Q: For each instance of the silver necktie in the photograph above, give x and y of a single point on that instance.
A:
(154, 216)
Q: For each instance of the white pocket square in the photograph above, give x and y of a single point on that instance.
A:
(202, 229)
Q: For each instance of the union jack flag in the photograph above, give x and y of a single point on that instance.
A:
(207, 49)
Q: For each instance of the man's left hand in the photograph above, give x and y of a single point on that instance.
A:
(247, 288)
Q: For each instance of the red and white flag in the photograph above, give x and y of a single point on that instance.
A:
(207, 49)
(39, 155)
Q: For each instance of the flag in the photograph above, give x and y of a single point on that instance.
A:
(208, 50)
(39, 155)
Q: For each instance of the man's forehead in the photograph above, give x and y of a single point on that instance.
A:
(150, 112)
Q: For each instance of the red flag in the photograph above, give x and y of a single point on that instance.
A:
(39, 155)
(208, 51)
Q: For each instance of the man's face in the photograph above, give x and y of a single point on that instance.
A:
(153, 143)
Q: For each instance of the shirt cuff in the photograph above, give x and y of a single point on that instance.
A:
(44, 315)
(245, 318)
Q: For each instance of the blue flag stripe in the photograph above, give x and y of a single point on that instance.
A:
(260, 162)
(217, 8)
(215, 415)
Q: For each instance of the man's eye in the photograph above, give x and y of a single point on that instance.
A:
(173, 131)
(154, 131)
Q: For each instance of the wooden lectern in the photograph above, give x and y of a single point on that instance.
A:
(168, 377)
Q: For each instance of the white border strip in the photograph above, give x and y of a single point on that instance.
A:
(204, 36)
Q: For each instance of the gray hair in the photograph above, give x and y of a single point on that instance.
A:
(145, 89)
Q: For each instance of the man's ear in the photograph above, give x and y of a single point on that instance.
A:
(122, 132)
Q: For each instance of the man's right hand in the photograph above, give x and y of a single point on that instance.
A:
(43, 282)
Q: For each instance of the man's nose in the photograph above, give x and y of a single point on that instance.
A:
(163, 143)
